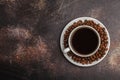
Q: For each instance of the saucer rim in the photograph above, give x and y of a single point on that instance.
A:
(62, 38)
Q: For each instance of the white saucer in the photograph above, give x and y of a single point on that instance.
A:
(62, 40)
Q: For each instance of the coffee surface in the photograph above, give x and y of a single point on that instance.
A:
(84, 41)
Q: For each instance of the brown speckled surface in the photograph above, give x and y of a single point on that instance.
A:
(29, 39)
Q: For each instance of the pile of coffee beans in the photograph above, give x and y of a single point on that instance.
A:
(103, 45)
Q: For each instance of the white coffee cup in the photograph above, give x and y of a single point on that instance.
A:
(70, 48)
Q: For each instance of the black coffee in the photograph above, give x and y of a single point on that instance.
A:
(84, 41)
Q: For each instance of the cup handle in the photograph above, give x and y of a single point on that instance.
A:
(66, 50)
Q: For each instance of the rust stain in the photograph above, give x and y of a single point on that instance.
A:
(19, 33)
(96, 12)
(40, 4)
(114, 59)
(28, 49)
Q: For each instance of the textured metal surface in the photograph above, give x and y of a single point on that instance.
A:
(30, 32)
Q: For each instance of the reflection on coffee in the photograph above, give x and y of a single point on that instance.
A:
(84, 41)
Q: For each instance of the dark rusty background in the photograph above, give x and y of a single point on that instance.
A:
(29, 39)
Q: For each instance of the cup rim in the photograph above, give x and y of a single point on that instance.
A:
(70, 37)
